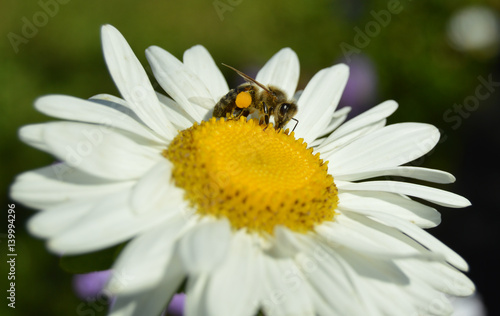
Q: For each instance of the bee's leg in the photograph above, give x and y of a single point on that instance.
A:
(264, 115)
(238, 112)
(235, 115)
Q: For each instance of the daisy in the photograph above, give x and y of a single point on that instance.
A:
(244, 218)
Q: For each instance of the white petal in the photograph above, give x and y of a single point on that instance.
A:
(59, 183)
(180, 83)
(425, 239)
(380, 269)
(331, 280)
(378, 283)
(319, 101)
(284, 244)
(109, 223)
(284, 290)
(52, 221)
(297, 94)
(370, 273)
(146, 258)
(151, 301)
(155, 190)
(374, 115)
(196, 295)
(330, 146)
(441, 276)
(373, 203)
(338, 118)
(431, 175)
(199, 60)
(390, 146)
(281, 71)
(175, 113)
(99, 151)
(71, 108)
(368, 238)
(118, 104)
(433, 195)
(114, 102)
(205, 246)
(33, 136)
(385, 298)
(472, 305)
(234, 288)
(133, 82)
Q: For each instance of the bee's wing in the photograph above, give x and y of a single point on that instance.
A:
(249, 79)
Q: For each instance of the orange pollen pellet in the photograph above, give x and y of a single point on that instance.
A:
(243, 100)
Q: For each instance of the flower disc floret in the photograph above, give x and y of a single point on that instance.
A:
(254, 176)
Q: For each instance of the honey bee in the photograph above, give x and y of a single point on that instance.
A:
(253, 96)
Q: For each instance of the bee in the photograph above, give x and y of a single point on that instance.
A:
(253, 96)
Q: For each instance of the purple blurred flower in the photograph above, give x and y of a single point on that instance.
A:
(90, 285)
(361, 89)
(176, 306)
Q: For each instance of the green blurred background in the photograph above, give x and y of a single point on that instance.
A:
(410, 60)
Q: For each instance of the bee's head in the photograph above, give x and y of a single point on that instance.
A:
(283, 113)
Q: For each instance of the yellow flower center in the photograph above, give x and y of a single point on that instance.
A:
(256, 177)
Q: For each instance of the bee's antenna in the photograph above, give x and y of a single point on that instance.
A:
(295, 123)
(248, 78)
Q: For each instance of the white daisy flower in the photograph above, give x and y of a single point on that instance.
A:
(251, 218)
